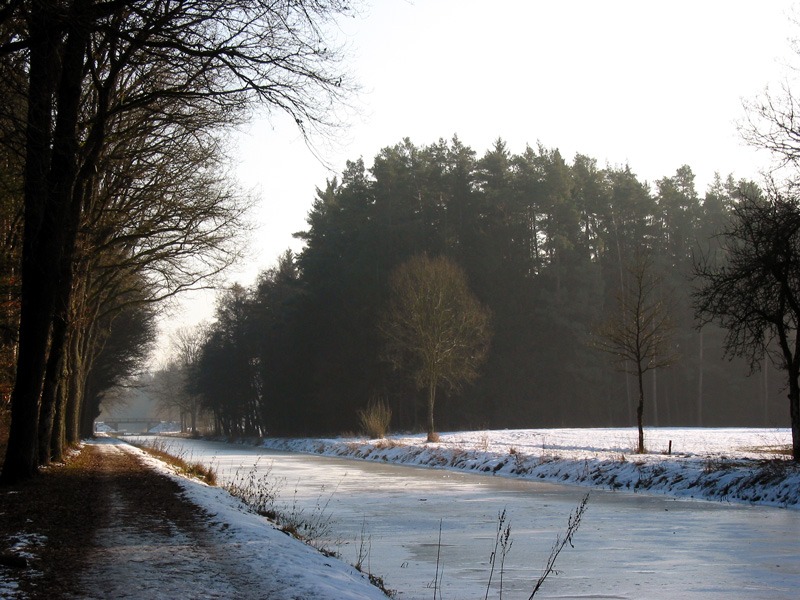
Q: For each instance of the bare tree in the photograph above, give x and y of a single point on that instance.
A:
(168, 387)
(638, 334)
(188, 347)
(148, 233)
(752, 288)
(115, 345)
(435, 328)
(772, 123)
(205, 58)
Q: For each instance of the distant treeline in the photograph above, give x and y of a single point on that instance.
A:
(545, 244)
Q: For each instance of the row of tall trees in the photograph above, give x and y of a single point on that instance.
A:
(547, 244)
(112, 191)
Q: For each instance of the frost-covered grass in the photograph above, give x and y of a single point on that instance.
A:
(730, 464)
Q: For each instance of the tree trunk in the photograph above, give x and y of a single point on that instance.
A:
(85, 406)
(431, 399)
(48, 187)
(53, 374)
(765, 405)
(794, 410)
(58, 442)
(74, 392)
(22, 452)
(700, 386)
(36, 301)
(89, 411)
(640, 411)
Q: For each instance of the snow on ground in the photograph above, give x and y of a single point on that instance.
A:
(722, 464)
(24, 547)
(290, 568)
(730, 464)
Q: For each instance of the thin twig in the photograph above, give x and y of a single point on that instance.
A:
(438, 552)
(573, 523)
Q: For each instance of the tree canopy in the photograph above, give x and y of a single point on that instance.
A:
(545, 244)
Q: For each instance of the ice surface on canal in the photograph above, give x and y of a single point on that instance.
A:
(629, 545)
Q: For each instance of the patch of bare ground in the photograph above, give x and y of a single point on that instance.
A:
(51, 520)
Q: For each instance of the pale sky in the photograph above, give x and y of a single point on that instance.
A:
(654, 84)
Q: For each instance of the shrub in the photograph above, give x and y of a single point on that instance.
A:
(375, 418)
(261, 491)
(257, 488)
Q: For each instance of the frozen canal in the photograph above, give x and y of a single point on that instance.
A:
(628, 546)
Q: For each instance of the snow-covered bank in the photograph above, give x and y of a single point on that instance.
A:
(731, 464)
(289, 568)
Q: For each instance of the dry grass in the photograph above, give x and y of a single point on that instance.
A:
(185, 467)
(388, 443)
(375, 418)
(717, 464)
(775, 451)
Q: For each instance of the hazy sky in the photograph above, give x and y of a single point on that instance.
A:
(654, 84)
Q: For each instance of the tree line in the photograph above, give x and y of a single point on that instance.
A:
(547, 245)
(113, 192)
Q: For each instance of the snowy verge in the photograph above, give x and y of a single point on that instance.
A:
(730, 464)
(290, 568)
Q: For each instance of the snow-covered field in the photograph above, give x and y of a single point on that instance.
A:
(731, 464)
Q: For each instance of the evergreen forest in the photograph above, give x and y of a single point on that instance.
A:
(547, 244)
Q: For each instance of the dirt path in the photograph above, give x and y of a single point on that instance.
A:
(105, 526)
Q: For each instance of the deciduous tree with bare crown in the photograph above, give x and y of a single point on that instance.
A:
(435, 328)
(92, 69)
(638, 333)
